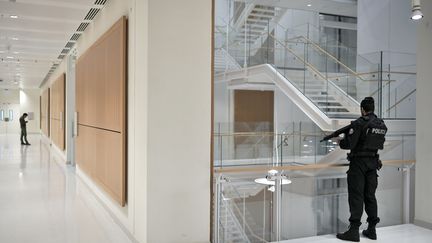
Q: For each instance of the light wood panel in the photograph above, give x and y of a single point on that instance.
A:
(101, 107)
(98, 154)
(45, 112)
(102, 98)
(57, 112)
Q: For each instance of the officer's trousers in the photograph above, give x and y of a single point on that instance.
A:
(24, 135)
(362, 184)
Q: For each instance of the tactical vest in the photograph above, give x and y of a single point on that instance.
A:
(374, 134)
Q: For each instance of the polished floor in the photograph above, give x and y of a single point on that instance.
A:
(406, 233)
(42, 200)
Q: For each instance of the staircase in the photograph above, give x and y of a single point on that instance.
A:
(326, 95)
(223, 62)
(237, 223)
(232, 231)
(254, 22)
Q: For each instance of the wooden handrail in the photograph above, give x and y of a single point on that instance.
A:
(332, 57)
(299, 167)
(259, 134)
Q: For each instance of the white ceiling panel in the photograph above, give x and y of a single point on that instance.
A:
(33, 34)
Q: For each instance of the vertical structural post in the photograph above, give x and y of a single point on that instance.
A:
(281, 149)
(264, 213)
(268, 40)
(380, 78)
(245, 43)
(278, 191)
(244, 213)
(389, 91)
(217, 209)
(406, 170)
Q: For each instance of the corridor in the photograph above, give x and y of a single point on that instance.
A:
(42, 200)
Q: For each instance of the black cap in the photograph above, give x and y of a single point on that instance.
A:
(368, 104)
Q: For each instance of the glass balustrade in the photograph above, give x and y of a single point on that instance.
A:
(334, 77)
(291, 202)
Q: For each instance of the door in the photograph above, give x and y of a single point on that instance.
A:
(253, 124)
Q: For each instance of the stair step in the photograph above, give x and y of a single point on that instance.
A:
(265, 10)
(335, 109)
(336, 104)
(321, 97)
(259, 15)
(332, 107)
(341, 113)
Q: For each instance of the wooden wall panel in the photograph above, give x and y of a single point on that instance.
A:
(57, 111)
(45, 112)
(101, 107)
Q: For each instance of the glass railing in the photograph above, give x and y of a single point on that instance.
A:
(297, 143)
(300, 65)
(303, 201)
(246, 144)
(334, 77)
(396, 94)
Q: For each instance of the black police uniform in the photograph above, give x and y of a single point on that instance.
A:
(364, 140)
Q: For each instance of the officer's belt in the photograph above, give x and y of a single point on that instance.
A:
(362, 154)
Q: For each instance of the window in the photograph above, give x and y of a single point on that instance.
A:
(10, 115)
(1, 115)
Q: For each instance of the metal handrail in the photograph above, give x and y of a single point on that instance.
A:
(406, 96)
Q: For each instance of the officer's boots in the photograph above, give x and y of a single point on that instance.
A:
(370, 232)
(352, 234)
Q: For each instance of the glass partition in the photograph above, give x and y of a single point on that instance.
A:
(300, 202)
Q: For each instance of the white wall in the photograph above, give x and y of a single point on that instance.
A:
(179, 120)
(29, 102)
(9, 100)
(112, 12)
(168, 117)
(423, 194)
(385, 25)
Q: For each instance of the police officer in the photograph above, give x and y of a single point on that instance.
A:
(364, 139)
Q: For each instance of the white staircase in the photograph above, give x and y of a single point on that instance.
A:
(223, 62)
(311, 100)
(232, 231)
(254, 22)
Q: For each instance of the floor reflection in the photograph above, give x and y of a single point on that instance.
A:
(46, 202)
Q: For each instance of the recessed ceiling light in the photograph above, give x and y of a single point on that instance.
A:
(15, 52)
(13, 16)
(309, 5)
(14, 38)
(9, 57)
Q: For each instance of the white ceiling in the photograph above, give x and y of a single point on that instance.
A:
(31, 43)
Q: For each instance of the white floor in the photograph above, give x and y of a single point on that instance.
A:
(42, 201)
(406, 233)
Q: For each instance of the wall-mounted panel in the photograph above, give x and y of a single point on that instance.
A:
(45, 112)
(101, 108)
(57, 112)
